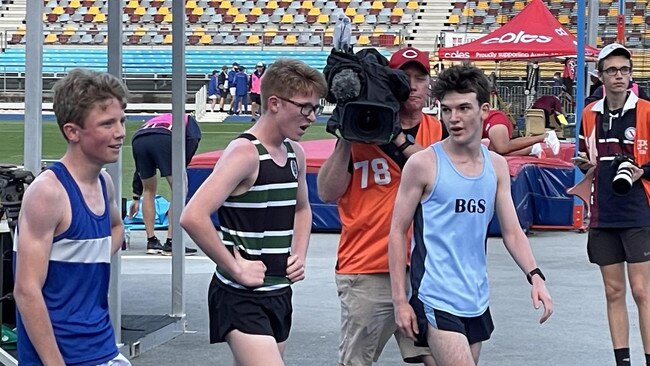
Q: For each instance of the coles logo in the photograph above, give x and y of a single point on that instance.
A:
(520, 37)
(456, 54)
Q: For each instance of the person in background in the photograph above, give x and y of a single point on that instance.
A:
(152, 150)
(595, 82)
(255, 84)
(497, 129)
(222, 87)
(363, 180)
(68, 228)
(232, 87)
(259, 189)
(213, 90)
(448, 195)
(619, 228)
(241, 92)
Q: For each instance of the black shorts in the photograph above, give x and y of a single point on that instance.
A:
(154, 151)
(255, 98)
(476, 329)
(249, 312)
(610, 246)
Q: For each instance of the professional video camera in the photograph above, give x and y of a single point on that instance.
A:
(13, 182)
(367, 92)
(622, 182)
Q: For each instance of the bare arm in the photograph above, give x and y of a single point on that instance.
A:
(413, 186)
(234, 173)
(40, 215)
(514, 238)
(333, 177)
(302, 222)
(117, 226)
(501, 143)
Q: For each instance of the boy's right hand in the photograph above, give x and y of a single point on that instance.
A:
(252, 272)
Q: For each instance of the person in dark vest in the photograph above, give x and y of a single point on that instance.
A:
(259, 189)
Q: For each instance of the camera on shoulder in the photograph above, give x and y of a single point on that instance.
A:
(622, 182)
(367, 93)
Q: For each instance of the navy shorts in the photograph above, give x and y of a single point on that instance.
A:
(476, 329)
(610, 246)
(255, 98)
(248, 312)
(154, 151)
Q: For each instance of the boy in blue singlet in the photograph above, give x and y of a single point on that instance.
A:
(445, 189)
(259, 189)
(68, 228)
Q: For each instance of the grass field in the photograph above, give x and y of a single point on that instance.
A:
(215, 137)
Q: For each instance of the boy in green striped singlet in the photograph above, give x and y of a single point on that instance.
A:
(259, 189)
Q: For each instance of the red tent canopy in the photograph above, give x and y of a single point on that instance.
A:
(534, 33)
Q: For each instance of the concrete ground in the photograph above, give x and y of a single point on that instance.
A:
(576, 334)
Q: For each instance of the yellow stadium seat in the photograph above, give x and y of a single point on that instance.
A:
(133, 4)
(168, 18)
(287, 19)
(69, 30)
(323, 19)
(200, 31)
(140, 11)
(483, 5)
(51, 38)
(350, 11)
(308, 4)
(22, 29)
(58, 10)
(93, 10)
(468, 12)
(377, 5)
(253, 39)
(563, 19)
(613, 12)
(240, 19)
(197, 11)
(398, 12)
(140, 31)
(363, 40)
(290, 39)
(163, 10)
(100, 18)
(256, 11)
(502, 19)
(518, 5)
(205, 39)
(271, 33)
(233, 12)
(637, 19)
(344, 1)
(74, 4)
(190, 4)
(272, 4)
(358, 19)
(314, 12)
(412, 5)
(225, 5)
(167, 39)
(454, 19)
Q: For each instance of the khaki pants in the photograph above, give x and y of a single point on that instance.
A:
(368, 320)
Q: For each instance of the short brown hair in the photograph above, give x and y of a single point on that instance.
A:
(287, 77)
(76, 94)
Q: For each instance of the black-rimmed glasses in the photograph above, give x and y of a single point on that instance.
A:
(305, 108)
(611, 71)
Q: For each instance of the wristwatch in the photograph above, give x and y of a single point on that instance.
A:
(409, 140)
(136, 198)
(535, 271)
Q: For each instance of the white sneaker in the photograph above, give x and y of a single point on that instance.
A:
(538, 151)
(552, 142)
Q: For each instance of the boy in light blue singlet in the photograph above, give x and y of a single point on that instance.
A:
(68, 229)
(450, 193)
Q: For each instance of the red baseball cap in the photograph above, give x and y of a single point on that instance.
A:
(407, 55)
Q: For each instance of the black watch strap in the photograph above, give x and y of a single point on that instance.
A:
(535, 271)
